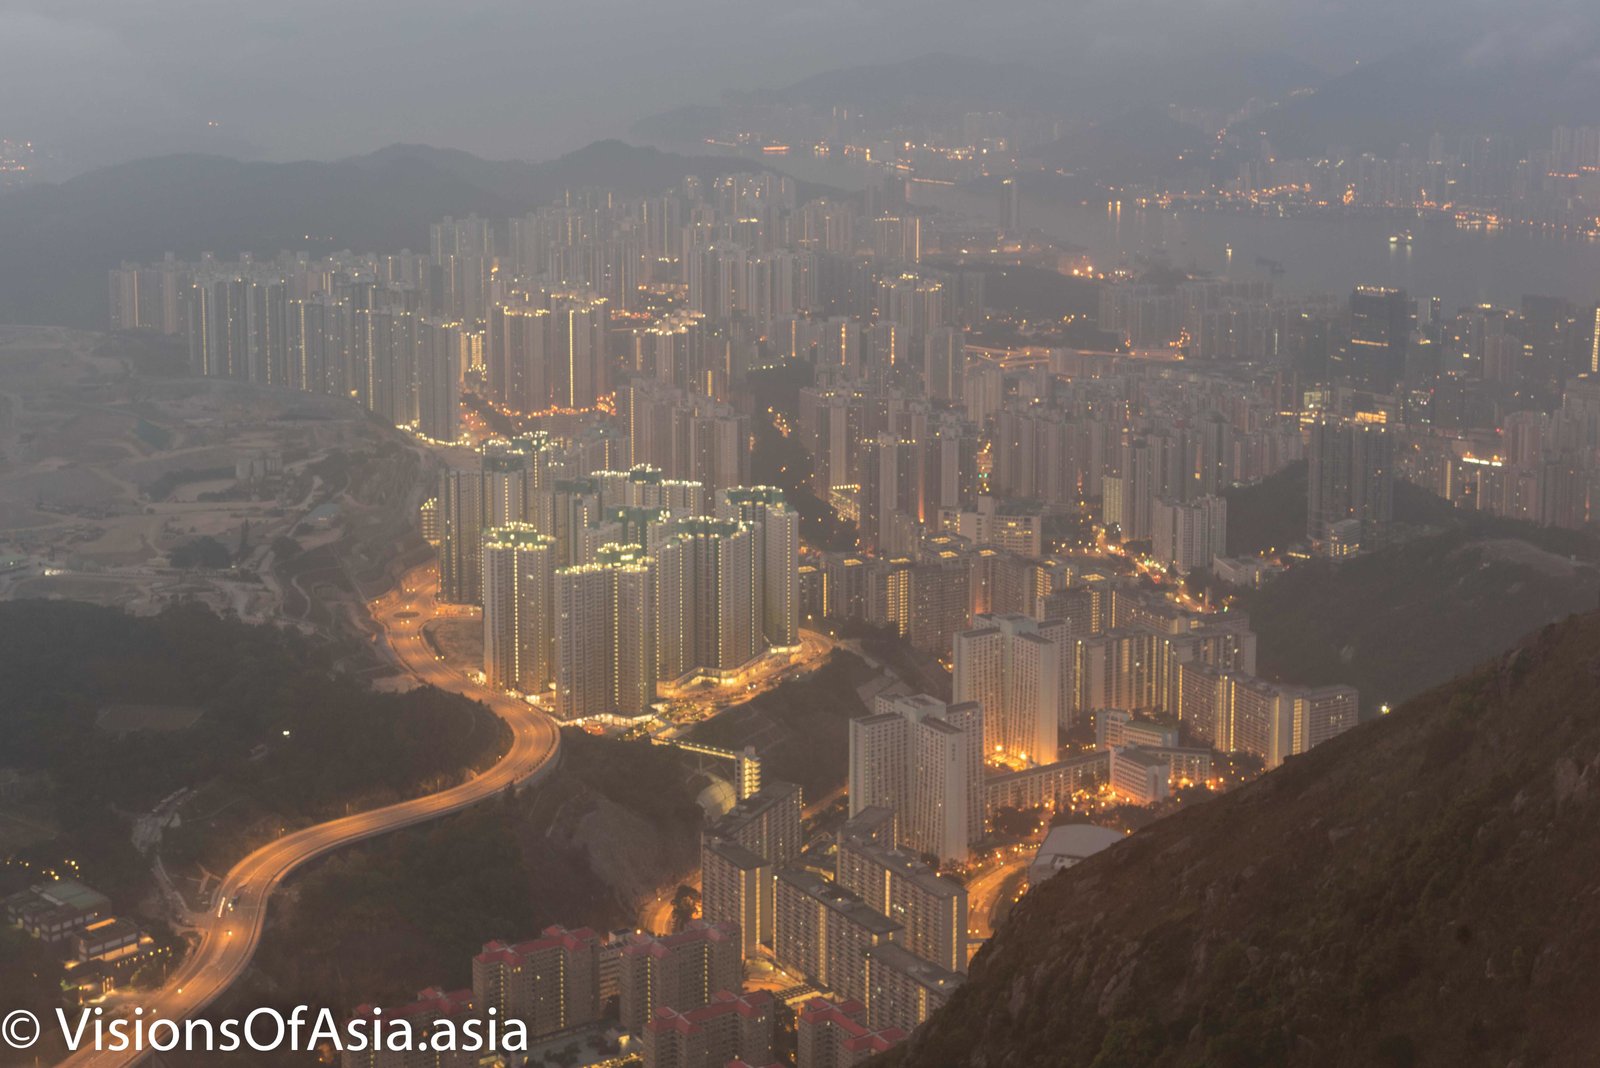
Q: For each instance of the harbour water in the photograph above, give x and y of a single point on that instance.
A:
(1301, 253)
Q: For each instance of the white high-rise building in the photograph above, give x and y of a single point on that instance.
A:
(518, 608)
(922, 758)
(776, 573)
(706, 607)
(583, 639)
(1015, 667)
(500, 489)
(942, 788)
(880, 757)
(1188, 535)
(506, 468)
(461, 536)
(1128, 495)
(605, 644)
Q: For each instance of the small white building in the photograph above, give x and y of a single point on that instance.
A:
(1139, 776)
(1064, 846)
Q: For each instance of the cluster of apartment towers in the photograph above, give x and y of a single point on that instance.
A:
(597, 588)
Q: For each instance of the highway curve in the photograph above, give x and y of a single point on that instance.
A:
(229, 935)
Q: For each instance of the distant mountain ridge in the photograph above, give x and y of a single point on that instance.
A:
(1468, 81)
(1134, 146)
(1495, 83)
(57, 240)
(1422, 890)
(943, 85)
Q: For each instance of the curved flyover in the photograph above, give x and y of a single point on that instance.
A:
(230, 932)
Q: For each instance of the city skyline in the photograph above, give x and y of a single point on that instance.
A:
(963, 522)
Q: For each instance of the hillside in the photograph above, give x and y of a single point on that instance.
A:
(109, 714)
(613, 824)
(1420, 891)
(1396, 621)
(56, 241)
(1269, 515)
(1510, 81)
(1457, 587)
(801, 728)
(1139, 144)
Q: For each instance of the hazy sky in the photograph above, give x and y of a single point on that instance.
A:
(111, 79)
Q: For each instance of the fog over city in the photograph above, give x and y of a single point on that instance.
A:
(780, 534)
(509, 78)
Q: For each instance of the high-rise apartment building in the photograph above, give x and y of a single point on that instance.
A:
(922, 758)
(519, 612)
(1016, 668)
(932, 908)
(461, 535)
(680, 971)
(551, 983)
(441, 358)
(1129, 495)
(605, 635)
(1380, 333)
(1188, 535)
(736, 886)
(903, 990)
(824, 932)
(766, 822)
(1350, 476)
(774, 575)
(1237, 712)
(707, 623)
(494, 492)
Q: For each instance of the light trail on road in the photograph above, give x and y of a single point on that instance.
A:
(230, 934)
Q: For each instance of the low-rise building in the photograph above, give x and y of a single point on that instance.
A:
(903, 990)
(731, 1026)
(431, 1007)
(551, 983)
(1139, 776)
(835, 1034)
(682, 971)
(1115, 727)
(56, 911)
(1066, 845)
(1051, 785)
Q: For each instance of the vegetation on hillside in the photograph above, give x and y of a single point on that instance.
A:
(1271, 515)
(1396, 621)
(204, 552)
(279, 741)
(1268, 515)
(801, 729)
(1450, 588)
(615, 822)
(784, 462)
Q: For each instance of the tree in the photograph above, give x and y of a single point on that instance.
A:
(202, 552)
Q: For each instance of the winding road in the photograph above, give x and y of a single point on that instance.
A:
(231, 930)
